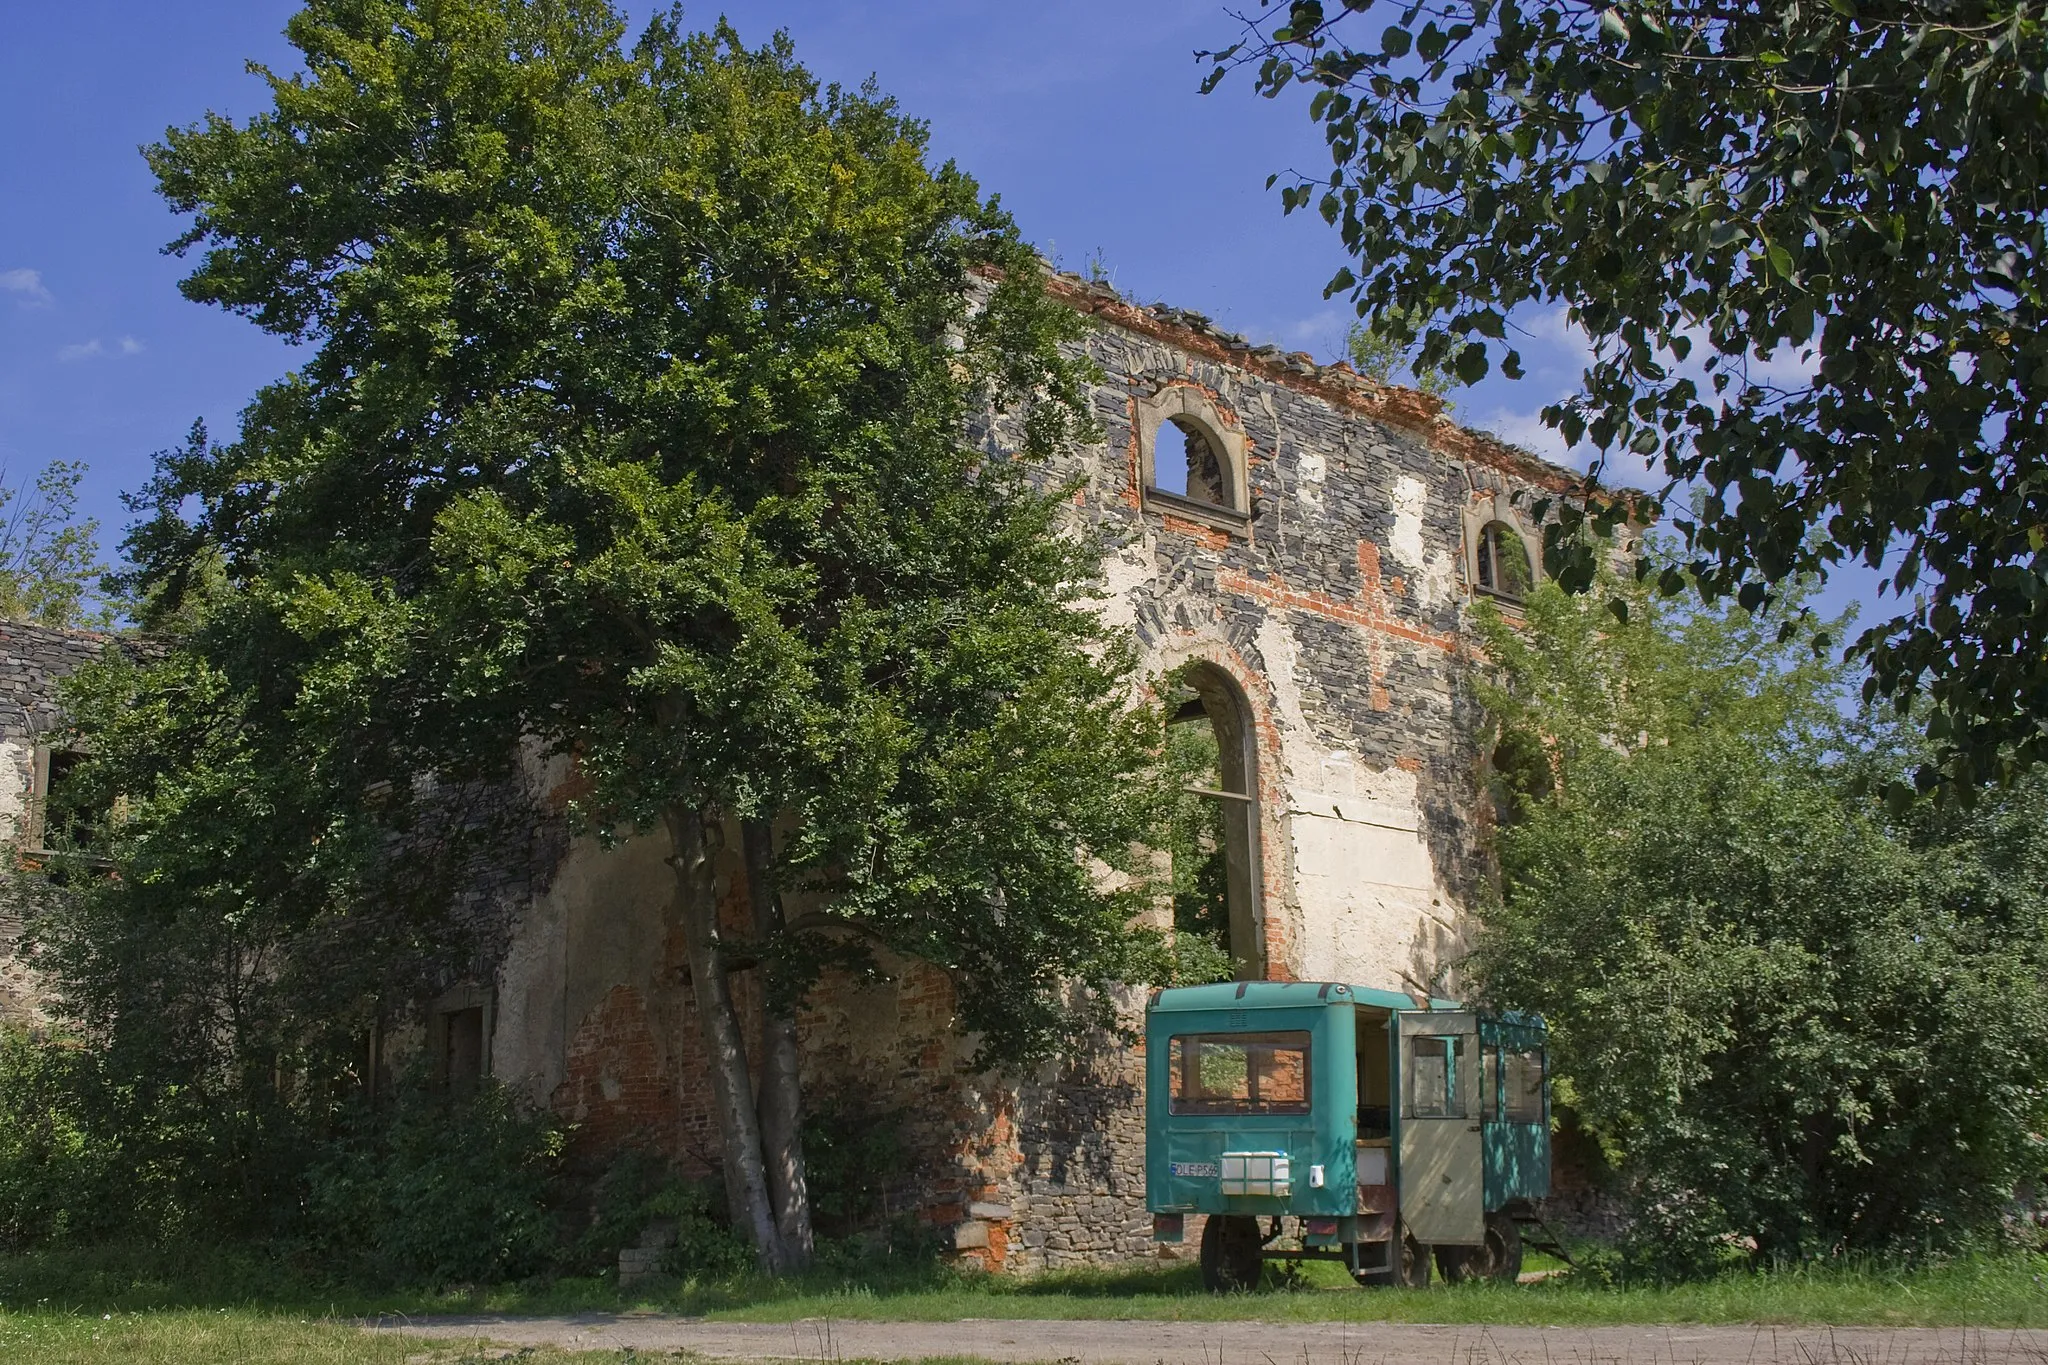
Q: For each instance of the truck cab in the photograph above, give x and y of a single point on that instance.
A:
(1391, 1131)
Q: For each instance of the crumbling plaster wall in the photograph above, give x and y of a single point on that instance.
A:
(1337, 606)
(1340, 610)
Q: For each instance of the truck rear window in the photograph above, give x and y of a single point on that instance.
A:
(1240, 1073)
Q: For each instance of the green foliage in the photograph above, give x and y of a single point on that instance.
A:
(433, 1190)
(1194, 850)
(852, 1153)
(49, 559)
(1798, 1024)
(421, 1191)
(1803, 240)
(1387, 355)
(55, 1178)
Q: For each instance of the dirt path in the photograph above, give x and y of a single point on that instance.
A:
(1249, 1343)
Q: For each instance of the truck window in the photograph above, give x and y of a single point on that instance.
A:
(1432, 1079)
(1489, 1086)
(1525, 1087)
(1240, 1073)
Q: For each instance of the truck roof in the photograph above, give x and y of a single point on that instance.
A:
(1233, 995)
(1237, 995)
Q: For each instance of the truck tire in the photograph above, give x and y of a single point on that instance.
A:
(1499, 1258)
(1411, 1267)
(1232, 1253)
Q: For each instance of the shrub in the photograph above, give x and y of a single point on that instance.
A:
(56, 1174)
(436, 1190)
(1806, 1024)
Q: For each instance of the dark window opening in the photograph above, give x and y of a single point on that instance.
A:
(1525, 1087)
(1518, 777)
(1434, 1090)
(1240, 1073)
(1187, 464)
(462, 1054)
(66, 816)
(1375, 1080)
(1504, 567)
(1213, 833)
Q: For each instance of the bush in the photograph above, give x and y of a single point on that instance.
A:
(58, 1178)
(1805, 1024)
(434, 1190)
(641, 1189)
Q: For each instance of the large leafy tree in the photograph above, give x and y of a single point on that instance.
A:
(1791, 1017)
(1805, 242)
(635, 434)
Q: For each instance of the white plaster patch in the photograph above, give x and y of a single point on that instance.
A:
(1411, 500)
(1367, 882)
(1309, 472)
(1300, 757)
(14, 761)
(1435, 572)
(1124, 575)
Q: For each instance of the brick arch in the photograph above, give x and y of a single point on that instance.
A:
(1233, 683)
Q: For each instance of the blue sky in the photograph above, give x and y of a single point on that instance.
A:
(1085, 117)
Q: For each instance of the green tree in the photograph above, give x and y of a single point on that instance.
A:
(635, 432)
(1381, 356)
(1804, 241)
(49, 559)
(1790, 1017)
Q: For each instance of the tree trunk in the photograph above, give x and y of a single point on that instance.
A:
(781, 1101)
(732, 1089)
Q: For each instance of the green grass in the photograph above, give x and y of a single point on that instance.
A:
(180, 1285)
(224, 1336)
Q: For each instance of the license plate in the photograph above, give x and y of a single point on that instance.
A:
(1194, 1170)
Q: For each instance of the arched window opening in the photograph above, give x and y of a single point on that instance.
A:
(1518, 775)
(1213, 838)
(1187, 464)
(1504, 566)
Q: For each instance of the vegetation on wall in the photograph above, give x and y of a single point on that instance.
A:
(1801, 1024)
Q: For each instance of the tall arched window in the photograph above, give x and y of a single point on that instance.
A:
(1214, 839)
(1503, 566)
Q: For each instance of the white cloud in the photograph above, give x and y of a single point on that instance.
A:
(26, 284)
(97, 349)
(1551, 340)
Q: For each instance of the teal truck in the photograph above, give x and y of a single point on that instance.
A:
(1378, 1130)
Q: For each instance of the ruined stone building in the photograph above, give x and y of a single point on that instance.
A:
(1308, 546)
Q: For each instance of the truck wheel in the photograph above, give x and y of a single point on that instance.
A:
(1232, 1253)
(1412, 1270)
(1411, 1266)
(1499, 1257)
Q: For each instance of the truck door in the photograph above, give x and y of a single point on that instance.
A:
(1442, 1180)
